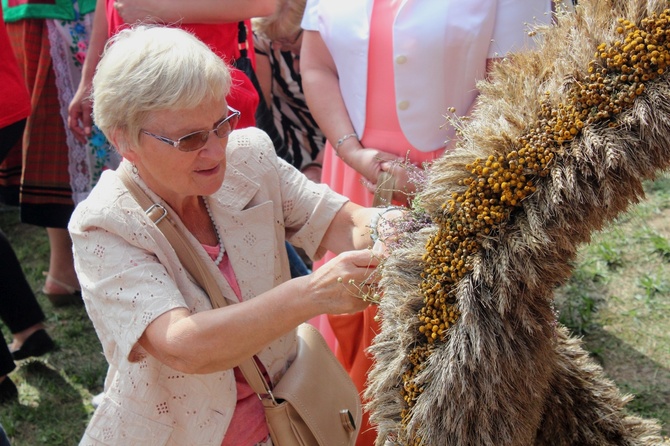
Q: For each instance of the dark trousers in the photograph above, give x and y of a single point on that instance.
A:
(9, 135)
(18, 307)
(4, 441)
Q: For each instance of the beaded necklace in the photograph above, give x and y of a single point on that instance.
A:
(222, 250)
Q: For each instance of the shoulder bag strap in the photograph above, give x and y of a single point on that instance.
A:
(193, 264)
(242, 38)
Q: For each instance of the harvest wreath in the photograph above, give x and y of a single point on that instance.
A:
(559, 143)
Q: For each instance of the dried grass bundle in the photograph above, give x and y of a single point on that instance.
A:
(505, 372)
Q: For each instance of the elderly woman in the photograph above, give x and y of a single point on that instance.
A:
(159, 96)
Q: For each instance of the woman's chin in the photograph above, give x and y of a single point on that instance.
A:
(211, 179)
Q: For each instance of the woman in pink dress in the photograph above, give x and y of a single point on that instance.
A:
(379, 77)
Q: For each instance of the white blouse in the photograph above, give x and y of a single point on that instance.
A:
(440, 51)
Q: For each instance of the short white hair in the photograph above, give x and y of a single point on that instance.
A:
(151, 68)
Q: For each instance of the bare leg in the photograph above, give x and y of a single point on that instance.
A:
(20, 337)
(61, 262)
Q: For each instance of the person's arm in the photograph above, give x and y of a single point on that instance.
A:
(222, 338)
(80, 108)
(264, 76)
(194, 11)
(320, 83)
(352, 228)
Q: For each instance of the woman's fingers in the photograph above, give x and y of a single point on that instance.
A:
(360, 281)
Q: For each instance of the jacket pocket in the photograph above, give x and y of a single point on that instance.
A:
(113, 425)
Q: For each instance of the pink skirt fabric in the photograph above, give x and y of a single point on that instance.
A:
(382, 130)
(350, 335)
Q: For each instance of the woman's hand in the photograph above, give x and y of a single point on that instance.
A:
(80, 112)
(368, 161)
(341, 284)
(313, 172)
(403, 188)
(371, 162)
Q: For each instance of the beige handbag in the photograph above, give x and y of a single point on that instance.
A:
(315, 403)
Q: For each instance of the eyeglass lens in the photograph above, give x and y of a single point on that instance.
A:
(197, 140)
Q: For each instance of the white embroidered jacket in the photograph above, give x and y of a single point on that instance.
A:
(130, 274)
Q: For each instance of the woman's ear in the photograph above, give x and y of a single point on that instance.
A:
(120, 140)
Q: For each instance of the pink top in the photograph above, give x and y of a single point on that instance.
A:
(381, 121)
(382, 127)
(248, 425)
(382, 131)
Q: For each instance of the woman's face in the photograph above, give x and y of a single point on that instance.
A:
(175, 175)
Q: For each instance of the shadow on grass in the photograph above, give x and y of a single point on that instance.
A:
(634, 374)
(45, 395)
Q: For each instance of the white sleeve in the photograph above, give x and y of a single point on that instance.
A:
(514, 20)
(310, 19)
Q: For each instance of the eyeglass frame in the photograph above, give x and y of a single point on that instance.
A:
(175, 143)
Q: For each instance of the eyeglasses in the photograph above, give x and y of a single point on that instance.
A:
(197, 140)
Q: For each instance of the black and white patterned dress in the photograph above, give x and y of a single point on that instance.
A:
(302, 137)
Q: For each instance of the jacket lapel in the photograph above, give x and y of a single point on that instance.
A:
(244, 231)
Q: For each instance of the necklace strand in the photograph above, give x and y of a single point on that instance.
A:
(218, 236)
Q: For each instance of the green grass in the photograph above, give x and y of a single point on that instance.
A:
(618, 301)
(55, 390)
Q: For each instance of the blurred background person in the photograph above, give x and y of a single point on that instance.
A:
(379, 77)
(4, 441)
(19, 309)
(21, 313)
(47, 171)
(216, 23)
(277, 41)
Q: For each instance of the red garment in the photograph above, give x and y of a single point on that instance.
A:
(355, 333)
(222, 39)
(14, 96)
(38, 164)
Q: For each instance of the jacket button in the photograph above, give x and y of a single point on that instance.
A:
(403, 105)
(401, 59)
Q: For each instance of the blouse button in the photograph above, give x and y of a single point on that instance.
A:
(401, 59)
(403, 105)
